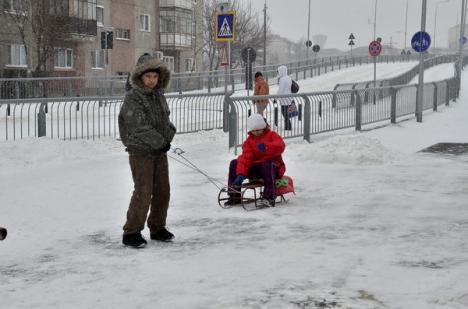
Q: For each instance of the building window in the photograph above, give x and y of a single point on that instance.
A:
(122, 34)
(169, 62)
(100, 15)
(17, 55)
(97, 59)
(85, 9)
(144, 22)
(188, 64)
(63, 58)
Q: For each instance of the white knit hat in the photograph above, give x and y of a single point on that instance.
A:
(255, 122)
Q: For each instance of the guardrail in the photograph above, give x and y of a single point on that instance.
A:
(95, 117)
(53, 87)
(321, 112)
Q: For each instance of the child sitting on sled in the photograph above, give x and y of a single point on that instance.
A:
(260, 159)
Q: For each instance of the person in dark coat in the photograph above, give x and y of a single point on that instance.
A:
(147, 133)
(261, 158)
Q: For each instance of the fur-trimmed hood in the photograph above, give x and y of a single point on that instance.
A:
(152, 63)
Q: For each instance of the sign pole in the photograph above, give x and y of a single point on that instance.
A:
(419, 103)
(461, 41)
(226, 74)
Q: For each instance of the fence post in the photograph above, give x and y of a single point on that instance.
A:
(17, 90)
(447, 93)
(112, 87)
(227, 102)
(307, 118)
(434, 98)
(393, 92)
(358, 110)
(334, 96)
(41, 121)
(232, 126)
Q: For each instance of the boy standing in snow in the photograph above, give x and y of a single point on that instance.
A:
(260, 158)
(147, 133)
(261, 88)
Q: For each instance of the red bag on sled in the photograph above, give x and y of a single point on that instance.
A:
(284, 185)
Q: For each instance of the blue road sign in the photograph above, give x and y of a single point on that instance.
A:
(421, 41)
(225, 27)
(463, 40)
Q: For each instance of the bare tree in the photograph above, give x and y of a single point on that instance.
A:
(41, 25)
(249, 32)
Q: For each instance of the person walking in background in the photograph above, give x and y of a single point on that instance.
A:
(261, 88)
(284, 87)
(147, 133)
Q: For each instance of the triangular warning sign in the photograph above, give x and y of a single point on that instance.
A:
(351, 37)
(225, 30)
(351, 43)
(224, 56)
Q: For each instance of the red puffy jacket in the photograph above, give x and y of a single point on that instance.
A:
(274, 147)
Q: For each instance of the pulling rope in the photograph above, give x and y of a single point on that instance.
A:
(186, 162)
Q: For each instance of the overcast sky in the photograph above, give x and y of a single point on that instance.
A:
(338, 18)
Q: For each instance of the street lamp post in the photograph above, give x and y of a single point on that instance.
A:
(406, 23)
(435, 22)
(264, 32)
(419, 102)
(308, 34)
(460, 41)
(375, 58)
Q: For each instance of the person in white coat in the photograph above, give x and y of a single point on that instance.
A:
(284, 87)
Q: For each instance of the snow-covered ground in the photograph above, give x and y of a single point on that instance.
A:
(374, 224)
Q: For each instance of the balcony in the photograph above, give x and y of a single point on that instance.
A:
(77, 26)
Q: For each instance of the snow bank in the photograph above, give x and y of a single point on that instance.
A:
(355, 149)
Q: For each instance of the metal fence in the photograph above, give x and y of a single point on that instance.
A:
(95, 117)
(320, 112)
(53, 87)
(403, 78)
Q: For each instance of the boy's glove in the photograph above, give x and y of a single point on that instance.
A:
(239, 180)
(261, 147)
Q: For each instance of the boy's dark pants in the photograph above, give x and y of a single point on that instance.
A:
(266, 170)
(151, 179)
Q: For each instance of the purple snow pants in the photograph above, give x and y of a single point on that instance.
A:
(266, 170)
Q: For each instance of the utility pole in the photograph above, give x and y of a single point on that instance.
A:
(375, 58)
(460, 41)
(264, 33)
(406, 24)
(308, 34)
(419, 103)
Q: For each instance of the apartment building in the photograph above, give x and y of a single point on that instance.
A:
(62, 25)
(165, 28)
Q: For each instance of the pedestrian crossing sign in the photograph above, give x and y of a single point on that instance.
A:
(225, 27)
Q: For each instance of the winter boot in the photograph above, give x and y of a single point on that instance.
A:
(134, 240)
(162, 235)
(264, 202)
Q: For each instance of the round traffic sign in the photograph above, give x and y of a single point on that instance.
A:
(463, 40)
(421, 41)
(375, 48)
(308, 43)
(316, 48)
(248, 54)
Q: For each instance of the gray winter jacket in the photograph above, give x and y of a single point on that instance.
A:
(144, 122)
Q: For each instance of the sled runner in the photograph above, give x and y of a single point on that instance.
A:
(251, 193)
